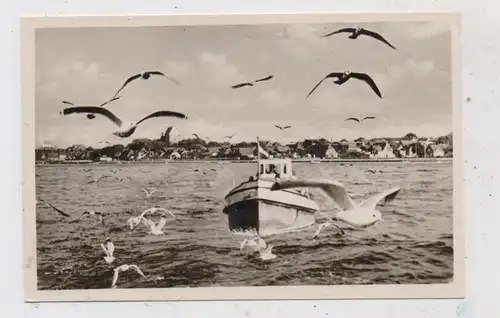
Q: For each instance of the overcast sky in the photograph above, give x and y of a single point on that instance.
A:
(88, 65)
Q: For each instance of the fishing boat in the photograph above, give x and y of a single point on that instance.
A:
(252, 206)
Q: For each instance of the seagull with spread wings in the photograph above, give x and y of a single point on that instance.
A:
(230, 137)
(345, 76)
(282, 127)
(91, 116)
(150, 193)
(145, 76)
(131, 127)
(93, 213)
(96, 181)
(359, 215)
(124, 268)
(252, 83)
(356, 32)
(358, 120)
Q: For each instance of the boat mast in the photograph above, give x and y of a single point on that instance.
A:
(258, 158)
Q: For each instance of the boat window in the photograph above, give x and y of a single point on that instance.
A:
(269, 169)
(261, 168)
(284, 169)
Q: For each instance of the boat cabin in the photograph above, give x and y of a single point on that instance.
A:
(272, 168)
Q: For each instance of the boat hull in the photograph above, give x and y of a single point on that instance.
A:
(252, 206)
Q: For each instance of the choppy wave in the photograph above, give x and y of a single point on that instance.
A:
(414, 245)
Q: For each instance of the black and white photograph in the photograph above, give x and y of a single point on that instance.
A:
(256, 152)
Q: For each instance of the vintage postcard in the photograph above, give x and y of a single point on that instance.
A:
(264, 156)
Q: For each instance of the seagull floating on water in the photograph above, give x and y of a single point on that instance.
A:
(109, 249)
(252, 83)
(145, 75)
(131, 127)
(358, 215)
(356, 32)
(345, 76)
(282, 127)
(124, 268)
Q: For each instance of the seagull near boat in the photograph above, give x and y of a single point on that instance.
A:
(267, 254)
(109, 249)
(252, 206)
(324, 221)
(252, 83)
(356, 32)
(131, 127)
(282, 127)
(145, 76)
(356, 215)
(92, 116)
(124, 268)
(345, 76)
(251, 246)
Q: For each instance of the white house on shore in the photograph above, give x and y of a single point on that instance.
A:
(331, 153)
(387, 152)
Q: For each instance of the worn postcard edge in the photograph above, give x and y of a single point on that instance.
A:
(455, 289)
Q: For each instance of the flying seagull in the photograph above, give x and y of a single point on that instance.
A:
(145, 75)
(109, 249)
(267, 254)
(344, 77)
(230, 137)
(282, 127)
(251, 246)
(156, 229)
(197, 137)
(61, 212)
(127, 131)
(87, 170)
(96, 181)
(93, 213)
(374, 171)
(124, 268)
(92, 116)
(353, 119)
(356, 32)
(252, 83)
(357, 215)
(324, 221)
(359, 120)
(149, 194)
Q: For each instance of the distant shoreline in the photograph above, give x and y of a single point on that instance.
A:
(313, 161)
